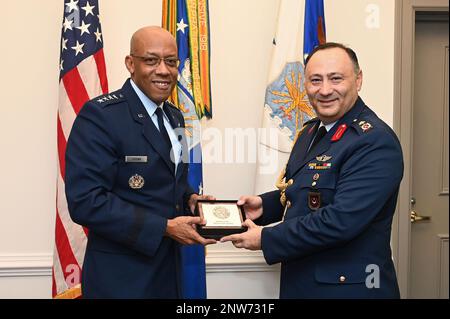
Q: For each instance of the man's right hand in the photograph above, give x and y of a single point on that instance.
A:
(252, 206)
(182, 229)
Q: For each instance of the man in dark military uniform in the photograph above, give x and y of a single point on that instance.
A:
(337, 195)
(127, 183)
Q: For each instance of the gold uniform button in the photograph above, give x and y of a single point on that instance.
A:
(288, 204)
(342, 279)
(314, 184)
(177, 207)
(290, 182)
(316, 176)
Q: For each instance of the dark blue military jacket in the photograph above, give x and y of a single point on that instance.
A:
(120, 185)
(334, 241)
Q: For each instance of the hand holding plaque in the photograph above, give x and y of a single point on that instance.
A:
(223, 217)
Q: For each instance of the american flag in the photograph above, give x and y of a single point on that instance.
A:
(82, 77)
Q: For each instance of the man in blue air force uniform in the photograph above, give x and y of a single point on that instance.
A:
(126, 180)
(337, 195)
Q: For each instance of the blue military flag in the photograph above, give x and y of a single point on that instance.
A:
(188, 21)
(314, 31)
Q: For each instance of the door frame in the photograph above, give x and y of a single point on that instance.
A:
(405, 11)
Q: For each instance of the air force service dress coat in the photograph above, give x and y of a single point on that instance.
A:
(334, 241)
(120, 185)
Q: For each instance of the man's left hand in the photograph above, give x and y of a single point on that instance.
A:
(251, 239)
(194, 198)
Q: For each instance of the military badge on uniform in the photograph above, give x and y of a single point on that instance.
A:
(109, 97)
(136, 181)
(365, 126)
(339, 132)
(314, 200)
(319, 166)
(323, 158)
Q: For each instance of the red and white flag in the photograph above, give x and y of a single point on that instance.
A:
(82, 78)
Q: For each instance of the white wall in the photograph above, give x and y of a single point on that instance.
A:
(368, 27)
(242, 32)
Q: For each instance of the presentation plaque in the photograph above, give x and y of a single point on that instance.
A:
(223, 217)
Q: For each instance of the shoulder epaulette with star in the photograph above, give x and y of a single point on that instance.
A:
(109, 99)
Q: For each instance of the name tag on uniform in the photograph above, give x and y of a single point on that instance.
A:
(135, 159)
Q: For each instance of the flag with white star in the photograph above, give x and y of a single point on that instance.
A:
(82, 78)
(188, 21)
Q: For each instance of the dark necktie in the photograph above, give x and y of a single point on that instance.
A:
(163, 131)
(319, 135)
(162, 128)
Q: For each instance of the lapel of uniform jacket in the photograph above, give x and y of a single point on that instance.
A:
(326, 142)
(149, 130)
(301, 146)
(179, 129)
(320, 148)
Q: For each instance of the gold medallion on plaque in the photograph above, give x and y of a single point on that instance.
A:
(221, 212)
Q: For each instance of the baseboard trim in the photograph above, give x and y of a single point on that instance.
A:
(35, 265)
(15, 265)
(237, 261)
